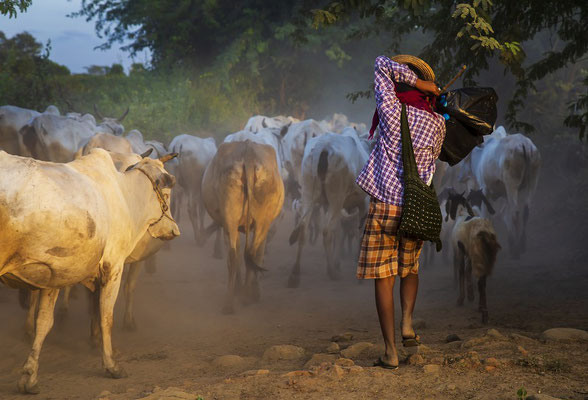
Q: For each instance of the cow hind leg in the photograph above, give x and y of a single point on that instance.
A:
(294, 278)
(33, 303)
(254, 260)
(28, 382)
(483, 307)
(129, 323)
(108, 295)
(232, 266)
(94, 310)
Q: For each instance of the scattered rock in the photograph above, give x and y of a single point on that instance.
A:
(522, 339)
(356, 349)
(333, 348)
(522, 350)
(475, 342)
(431, 369)
(256, 372)
(419, 323)
(493, 333)
(451, 387)
(296, 373)
(337, 371)
(345, 362)
(437, 360)
(354, 369)
(453, 345)
(319, 358)
(229, 361)
(452, 338)
(171, 393)
(565, 334)
(104, 394)
(415, 359)
(492, 362)
(283, 352)
(490, 368)
(541, 396)
(346, 337)
(333, 370)
(422, 349)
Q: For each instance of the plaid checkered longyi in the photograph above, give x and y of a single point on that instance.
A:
(382, 254)
(381, 177)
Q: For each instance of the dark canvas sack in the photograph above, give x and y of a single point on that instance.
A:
(421, 215)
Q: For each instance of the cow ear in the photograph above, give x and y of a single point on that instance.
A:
(131, 167)
(263, 123)
(147, 153)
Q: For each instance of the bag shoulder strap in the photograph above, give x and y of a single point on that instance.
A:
(408, 160)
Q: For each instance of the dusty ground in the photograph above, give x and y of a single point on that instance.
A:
(181, 331)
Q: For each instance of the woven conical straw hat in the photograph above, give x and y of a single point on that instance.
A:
(416, 62)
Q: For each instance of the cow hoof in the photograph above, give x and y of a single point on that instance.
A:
(116, 372)
(26, 386)
(129, 325)
(294, 281)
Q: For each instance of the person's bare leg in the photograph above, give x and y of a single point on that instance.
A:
(409, 286)
(385, 306)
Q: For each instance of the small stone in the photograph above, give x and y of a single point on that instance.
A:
(319, 358)
(283, 352)
(337, 371)
(415, 359)
(451, 387)
(491, 361)
(356, 349)
(296, 373)
(344, 362)
(419, 323)
(452, 338)
(354, 369)
(522, 350)
(475, 342)
(453, 345)
(493, 333)
(490, 368)
(431, 369)
(346, 337)
(333, 348)
(522, 339)
(256, 372)
(540, 396)
(437, 360)
(565, 335)
(104, 393)
(229, 361)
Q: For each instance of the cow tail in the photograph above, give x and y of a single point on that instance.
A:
(249, 256)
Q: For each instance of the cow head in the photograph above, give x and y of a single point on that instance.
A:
(161, 223)
(111, 125)
(454, 200)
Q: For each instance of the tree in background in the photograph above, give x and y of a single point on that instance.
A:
(8, 7)
(479, 33)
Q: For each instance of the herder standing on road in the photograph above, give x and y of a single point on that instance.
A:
(401, 80)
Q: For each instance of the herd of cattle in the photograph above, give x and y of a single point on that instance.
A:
(79, 200)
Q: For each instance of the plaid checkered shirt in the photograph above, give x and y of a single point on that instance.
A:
(381, 177)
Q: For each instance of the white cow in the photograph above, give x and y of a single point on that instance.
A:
(330, 165)
(64, 224)
(506, 168)
(194, 155)
(294, 142)
(140, 146)
(11, 120)
(259, 122)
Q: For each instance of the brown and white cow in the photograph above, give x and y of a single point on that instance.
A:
(243, 192)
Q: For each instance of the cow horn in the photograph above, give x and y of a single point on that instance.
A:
(124, 115)
(131, 167)
(168, 157)
(147, 153)
(97, 112)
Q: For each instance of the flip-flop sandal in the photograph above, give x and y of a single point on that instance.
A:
(411, 342)
(383, 364)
